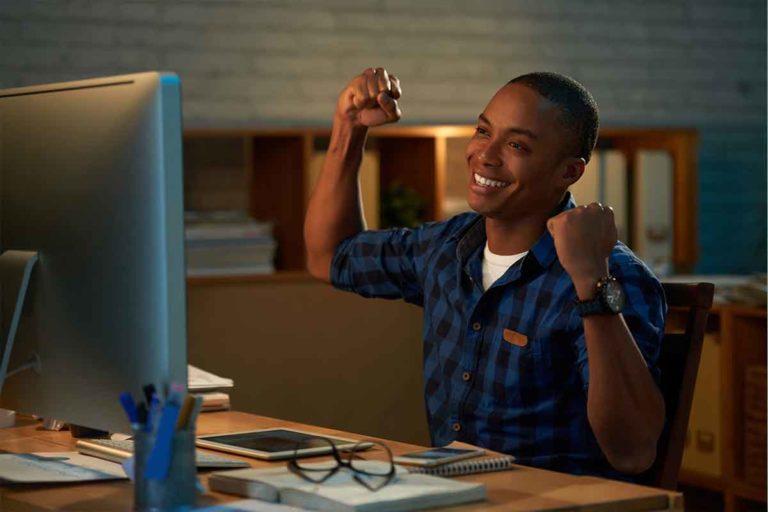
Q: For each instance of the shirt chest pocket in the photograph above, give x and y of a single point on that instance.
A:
(540, 345)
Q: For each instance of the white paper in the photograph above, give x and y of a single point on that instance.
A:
(50, 467)
(251, 506)
(198, 380)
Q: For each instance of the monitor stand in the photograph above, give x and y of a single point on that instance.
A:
(15, 272)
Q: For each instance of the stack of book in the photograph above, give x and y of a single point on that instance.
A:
(228, 243)
(211, 387)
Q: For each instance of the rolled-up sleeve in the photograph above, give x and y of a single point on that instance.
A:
(645, 313)
(384, 264)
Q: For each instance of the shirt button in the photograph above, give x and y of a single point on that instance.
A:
(466, 376)
(476, 326)
(456, 427)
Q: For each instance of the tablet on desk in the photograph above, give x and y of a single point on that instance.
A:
(276, 443)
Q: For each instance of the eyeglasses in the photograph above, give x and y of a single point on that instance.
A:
(373, 475)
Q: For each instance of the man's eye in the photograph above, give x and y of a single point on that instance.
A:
(481, 131)
(517, 146)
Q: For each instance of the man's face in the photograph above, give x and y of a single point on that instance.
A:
(516, 158)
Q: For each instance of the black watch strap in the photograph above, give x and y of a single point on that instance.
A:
(608, 299)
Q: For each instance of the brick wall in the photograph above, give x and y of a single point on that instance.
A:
(699, 63)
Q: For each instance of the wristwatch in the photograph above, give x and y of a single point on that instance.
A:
(609, 299)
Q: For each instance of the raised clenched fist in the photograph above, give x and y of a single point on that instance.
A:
(584, 238)
(370, 99)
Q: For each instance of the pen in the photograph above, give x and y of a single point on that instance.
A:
(159, 459)
(149, 392)
(186, 410)
(196, 408)
(154, 409)
(126, 400)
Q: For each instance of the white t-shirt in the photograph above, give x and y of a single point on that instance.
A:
(494, 265)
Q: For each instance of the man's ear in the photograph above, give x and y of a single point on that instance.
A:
(573, 169)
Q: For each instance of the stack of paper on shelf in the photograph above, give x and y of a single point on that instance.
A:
(341, 493)
(211, 387)
(228, 243)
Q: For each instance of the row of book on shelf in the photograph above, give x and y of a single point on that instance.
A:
(228, 243)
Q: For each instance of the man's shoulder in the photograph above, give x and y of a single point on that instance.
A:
(627, 267)
(453, 227)
(622, 256)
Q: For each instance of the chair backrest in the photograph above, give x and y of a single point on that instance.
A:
(679, 364)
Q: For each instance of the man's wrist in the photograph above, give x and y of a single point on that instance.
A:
(586, 287)
(346, 134)
(585, 283)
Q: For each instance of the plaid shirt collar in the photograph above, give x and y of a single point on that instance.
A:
(471, 241)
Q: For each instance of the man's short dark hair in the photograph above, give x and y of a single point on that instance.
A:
(578, 108)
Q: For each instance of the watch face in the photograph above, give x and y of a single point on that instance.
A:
(613, 296)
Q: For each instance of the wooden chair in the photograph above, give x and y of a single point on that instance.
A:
(679, 363)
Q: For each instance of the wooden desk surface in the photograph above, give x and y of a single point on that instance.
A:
(521, 489)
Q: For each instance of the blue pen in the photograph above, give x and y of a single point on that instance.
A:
(159, 460)
(154, 411)
(130, 409)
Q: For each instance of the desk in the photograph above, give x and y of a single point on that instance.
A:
(522, 489)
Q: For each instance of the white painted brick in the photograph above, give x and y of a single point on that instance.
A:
(733, 12)
(79, 10)
(121, 59)
(135, 35)
(67, 32)
(209, 62)
(10, 30)
(423, 23)
(250, 15)
(41, 57)
(140, 11)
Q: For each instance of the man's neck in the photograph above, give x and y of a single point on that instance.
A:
(510, 237)
(513, 236)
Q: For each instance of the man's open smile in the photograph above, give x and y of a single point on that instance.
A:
(487, 182)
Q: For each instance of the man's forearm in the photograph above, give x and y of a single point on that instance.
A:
(624, 405)
(334, 211)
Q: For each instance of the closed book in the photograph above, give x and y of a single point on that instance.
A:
(343, 494)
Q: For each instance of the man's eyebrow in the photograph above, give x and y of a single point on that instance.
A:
(511, 129)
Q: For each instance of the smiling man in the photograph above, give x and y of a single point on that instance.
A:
(541, 331)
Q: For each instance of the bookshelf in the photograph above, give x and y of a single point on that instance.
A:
(270, 173)
(723, 452)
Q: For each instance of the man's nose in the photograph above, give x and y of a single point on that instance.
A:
(490, 154)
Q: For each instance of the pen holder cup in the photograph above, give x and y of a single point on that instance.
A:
(178, 491)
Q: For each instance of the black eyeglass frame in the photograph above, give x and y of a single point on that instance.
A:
(307, 473)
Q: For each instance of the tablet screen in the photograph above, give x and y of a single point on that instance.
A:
(273, 441)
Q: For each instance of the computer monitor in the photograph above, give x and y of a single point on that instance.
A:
(91, 181)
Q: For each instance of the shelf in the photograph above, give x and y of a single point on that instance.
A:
(267, 172)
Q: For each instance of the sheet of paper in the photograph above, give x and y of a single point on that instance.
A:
(51, 467)
(198, 380)
(251, 506)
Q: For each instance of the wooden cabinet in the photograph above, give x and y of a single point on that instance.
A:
(730, 389)
(270, 172)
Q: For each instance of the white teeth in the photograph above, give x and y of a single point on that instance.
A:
(488, 182)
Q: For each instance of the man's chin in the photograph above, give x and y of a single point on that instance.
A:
(482, 207)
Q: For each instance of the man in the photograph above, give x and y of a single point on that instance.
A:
(541, 331)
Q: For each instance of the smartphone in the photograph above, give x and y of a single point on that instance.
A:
(437, 456)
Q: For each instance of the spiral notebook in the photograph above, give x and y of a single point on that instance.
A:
(467, 467)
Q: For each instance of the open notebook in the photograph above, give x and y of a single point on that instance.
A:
(343, 494)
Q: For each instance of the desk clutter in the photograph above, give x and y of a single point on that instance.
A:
(163, 468)
(228, 243)
(210, 387)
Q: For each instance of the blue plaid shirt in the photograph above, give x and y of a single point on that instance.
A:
(525, 399)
